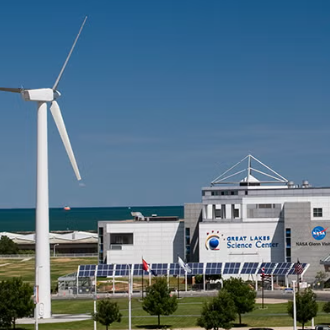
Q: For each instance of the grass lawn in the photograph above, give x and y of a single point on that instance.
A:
(273, 315)
(25, 268)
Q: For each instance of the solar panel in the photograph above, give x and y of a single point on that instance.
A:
(86, 271)
(196, 268)
(282, 268)
(160, 269)
(105, 270)
(269, 267)
(231, 268)
(250, 268)
(175, 269)
(137, 270)
(213, 268)
(122, 270)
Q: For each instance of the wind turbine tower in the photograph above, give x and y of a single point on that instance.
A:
(42, 97)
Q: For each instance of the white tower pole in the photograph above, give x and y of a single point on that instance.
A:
(42, 261)
(294, 305)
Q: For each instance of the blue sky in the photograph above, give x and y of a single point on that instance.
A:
(160, 97)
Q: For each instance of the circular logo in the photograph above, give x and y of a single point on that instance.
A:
(212, 242)
(319, 233)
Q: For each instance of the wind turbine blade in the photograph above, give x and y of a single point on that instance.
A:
(56, 112)
(67, 59)
(12, 90)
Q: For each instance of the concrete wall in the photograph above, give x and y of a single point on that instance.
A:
(306, 248)
(192, 217)
(155, 241)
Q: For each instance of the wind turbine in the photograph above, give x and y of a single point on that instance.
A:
(42, 262)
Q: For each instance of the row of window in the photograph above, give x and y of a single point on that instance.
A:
(223, 192)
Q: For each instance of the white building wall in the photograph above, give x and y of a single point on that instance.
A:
(156, 242)
(242, 242)
(316, 202)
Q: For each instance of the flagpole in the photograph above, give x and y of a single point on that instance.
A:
(142, 283)
(186, 280)
(297, 270)
(179, 284)
(262, 290)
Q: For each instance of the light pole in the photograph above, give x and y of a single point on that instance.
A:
(129, 298)
(95, 295)
(54, 249)
(294, 305)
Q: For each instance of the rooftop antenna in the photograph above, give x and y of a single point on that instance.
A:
(271, 176)
(42, 96)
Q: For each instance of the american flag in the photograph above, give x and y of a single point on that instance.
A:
(298, 268)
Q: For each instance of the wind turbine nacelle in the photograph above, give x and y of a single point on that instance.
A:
(39, 95)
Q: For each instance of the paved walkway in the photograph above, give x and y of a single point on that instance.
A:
(57, 318)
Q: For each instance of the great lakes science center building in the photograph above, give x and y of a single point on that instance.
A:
(238, 221)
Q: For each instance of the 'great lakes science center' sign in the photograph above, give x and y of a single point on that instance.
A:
(214, 239)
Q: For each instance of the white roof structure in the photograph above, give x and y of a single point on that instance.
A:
(54, 238)
(249, 174)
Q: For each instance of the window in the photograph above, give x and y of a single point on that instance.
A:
(121, 238)
(288, 244)
(187, 236)
(317, 212)
(264, 206)
(218, 213)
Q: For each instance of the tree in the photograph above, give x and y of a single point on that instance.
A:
(243, 295)
(326, 307)
(320, 276)
(306, 306)
(158, 300)
(8, 246)
(218, 313)
(15, 301)
(107, 312)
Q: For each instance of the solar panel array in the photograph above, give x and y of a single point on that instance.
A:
(122, 270)
(250, 268)
(231, 267)
(268, 267)
(105, 270)
(138, 270)
(197, 268)
(282, 268)
(160, 269)
(86, 271)
(213, 268)
(174, 269)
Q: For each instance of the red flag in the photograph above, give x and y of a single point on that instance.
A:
(145, 266)
(262, 269)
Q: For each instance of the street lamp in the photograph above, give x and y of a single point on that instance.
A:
(54, 249)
